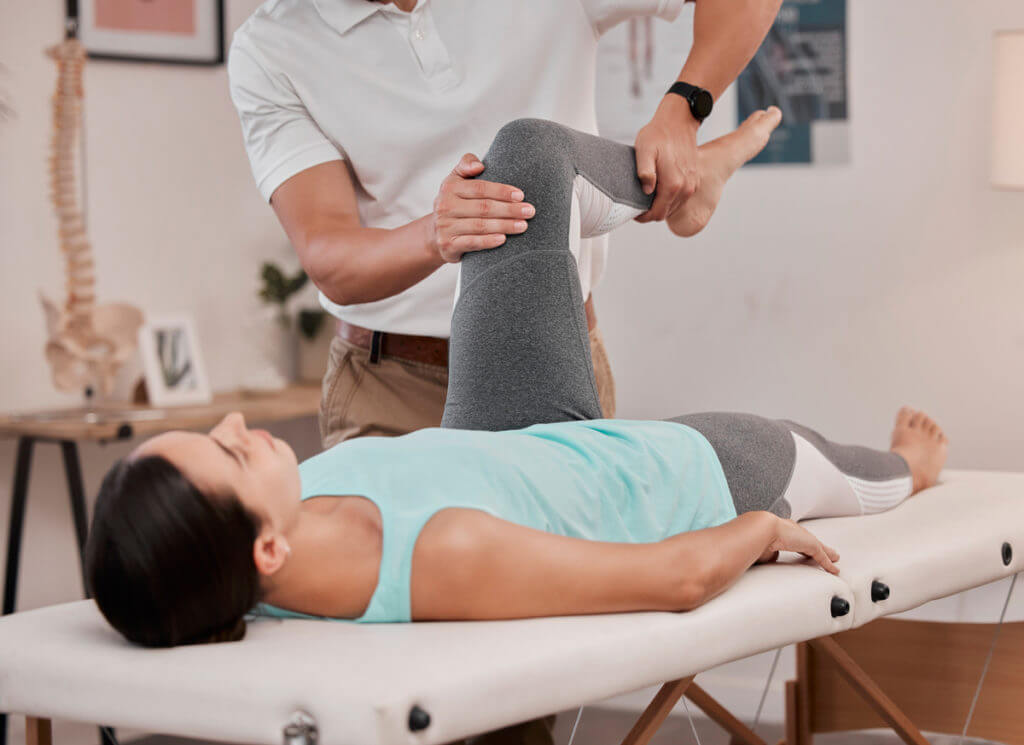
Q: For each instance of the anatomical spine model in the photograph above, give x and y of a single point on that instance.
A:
(87, 342)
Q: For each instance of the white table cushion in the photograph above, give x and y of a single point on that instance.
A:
(942, 541)
(359, 681)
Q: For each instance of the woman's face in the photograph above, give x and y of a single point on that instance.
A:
(260, 469)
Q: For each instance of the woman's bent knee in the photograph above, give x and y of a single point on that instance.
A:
(530, 147)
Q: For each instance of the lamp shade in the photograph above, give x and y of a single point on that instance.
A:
(1008, 110)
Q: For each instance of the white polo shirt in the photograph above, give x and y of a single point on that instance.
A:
(400, 97)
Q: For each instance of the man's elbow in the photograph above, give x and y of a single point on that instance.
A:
(324, 260)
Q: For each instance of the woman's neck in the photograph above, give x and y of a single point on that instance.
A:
(335, 559)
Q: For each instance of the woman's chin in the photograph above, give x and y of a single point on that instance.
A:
(286, 450)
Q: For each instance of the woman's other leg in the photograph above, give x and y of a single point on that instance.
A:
(794, 472)
(520, 352)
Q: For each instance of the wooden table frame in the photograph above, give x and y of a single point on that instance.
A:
(930, 670)
(909, 675)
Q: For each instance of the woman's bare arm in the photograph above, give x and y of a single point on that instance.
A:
(468, 564)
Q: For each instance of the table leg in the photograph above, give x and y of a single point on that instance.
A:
(76, 491)
(38, 731)
(19, 492)
(19, 495)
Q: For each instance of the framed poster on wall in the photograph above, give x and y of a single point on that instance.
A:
(180, 31)
(801, 67)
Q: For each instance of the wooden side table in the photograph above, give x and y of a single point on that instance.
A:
(67, 428)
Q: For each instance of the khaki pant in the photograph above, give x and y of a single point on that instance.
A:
(394, 397)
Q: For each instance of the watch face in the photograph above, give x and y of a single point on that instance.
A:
(702, 103)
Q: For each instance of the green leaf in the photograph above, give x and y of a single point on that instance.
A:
(310, 322)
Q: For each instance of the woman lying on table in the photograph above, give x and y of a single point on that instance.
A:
(524, 503)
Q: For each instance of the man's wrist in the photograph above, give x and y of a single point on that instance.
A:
(698, 100)
(425, 245)
(676, 109)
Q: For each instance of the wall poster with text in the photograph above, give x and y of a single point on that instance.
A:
(801, 67)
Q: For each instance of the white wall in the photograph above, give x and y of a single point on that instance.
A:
(832, 295)
(829, 295)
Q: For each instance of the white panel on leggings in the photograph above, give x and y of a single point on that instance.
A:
(817, 488)
(599, 213)
(879, 496)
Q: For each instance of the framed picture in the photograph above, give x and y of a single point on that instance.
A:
(172, 362)
(181, 31)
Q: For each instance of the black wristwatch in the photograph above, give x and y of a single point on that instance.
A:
(699, 99)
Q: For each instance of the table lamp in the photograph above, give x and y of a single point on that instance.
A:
(1008, 110)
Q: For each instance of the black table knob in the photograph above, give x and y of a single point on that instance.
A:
(839, 607)
(1007, 554)
(879, 591)
(418, 719)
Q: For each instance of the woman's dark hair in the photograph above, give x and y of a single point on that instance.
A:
(167, 564)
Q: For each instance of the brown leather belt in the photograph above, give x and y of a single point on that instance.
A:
(430, 350)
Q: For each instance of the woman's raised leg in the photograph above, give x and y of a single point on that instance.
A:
(519, 351)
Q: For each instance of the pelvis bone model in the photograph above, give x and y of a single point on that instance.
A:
(87, 342)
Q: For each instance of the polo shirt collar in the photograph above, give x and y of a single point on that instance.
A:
(341, 15)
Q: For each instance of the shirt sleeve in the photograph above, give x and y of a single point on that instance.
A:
(280, 136)
(604, 14)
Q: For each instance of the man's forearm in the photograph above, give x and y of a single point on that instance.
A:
(359, 265)
(726, 34)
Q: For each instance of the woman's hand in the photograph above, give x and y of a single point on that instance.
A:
(789, 536)
(471, 214)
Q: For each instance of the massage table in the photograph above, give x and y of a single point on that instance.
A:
(301, 682)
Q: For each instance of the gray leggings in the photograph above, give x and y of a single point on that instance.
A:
(520, 354)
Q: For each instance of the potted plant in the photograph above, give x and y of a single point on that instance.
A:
(315, 335)
(300, 345)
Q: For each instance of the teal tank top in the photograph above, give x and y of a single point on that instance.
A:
(604, 480)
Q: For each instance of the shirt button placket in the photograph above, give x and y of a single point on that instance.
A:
(433, 57)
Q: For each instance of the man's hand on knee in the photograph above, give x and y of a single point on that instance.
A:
(471, 214)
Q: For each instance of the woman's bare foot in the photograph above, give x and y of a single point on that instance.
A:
(717, 161)
(922, 443)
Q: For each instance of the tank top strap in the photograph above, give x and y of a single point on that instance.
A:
(400, 528)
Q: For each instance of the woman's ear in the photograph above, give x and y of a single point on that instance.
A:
(269, 552)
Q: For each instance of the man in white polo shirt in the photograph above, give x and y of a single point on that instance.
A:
(359, 116)
(354, 112)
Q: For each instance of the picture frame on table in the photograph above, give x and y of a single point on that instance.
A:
(172, 362)
(185, 32)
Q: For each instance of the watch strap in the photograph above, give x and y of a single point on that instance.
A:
(688, 91)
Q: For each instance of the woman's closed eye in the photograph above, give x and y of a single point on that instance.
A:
(237, 458)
